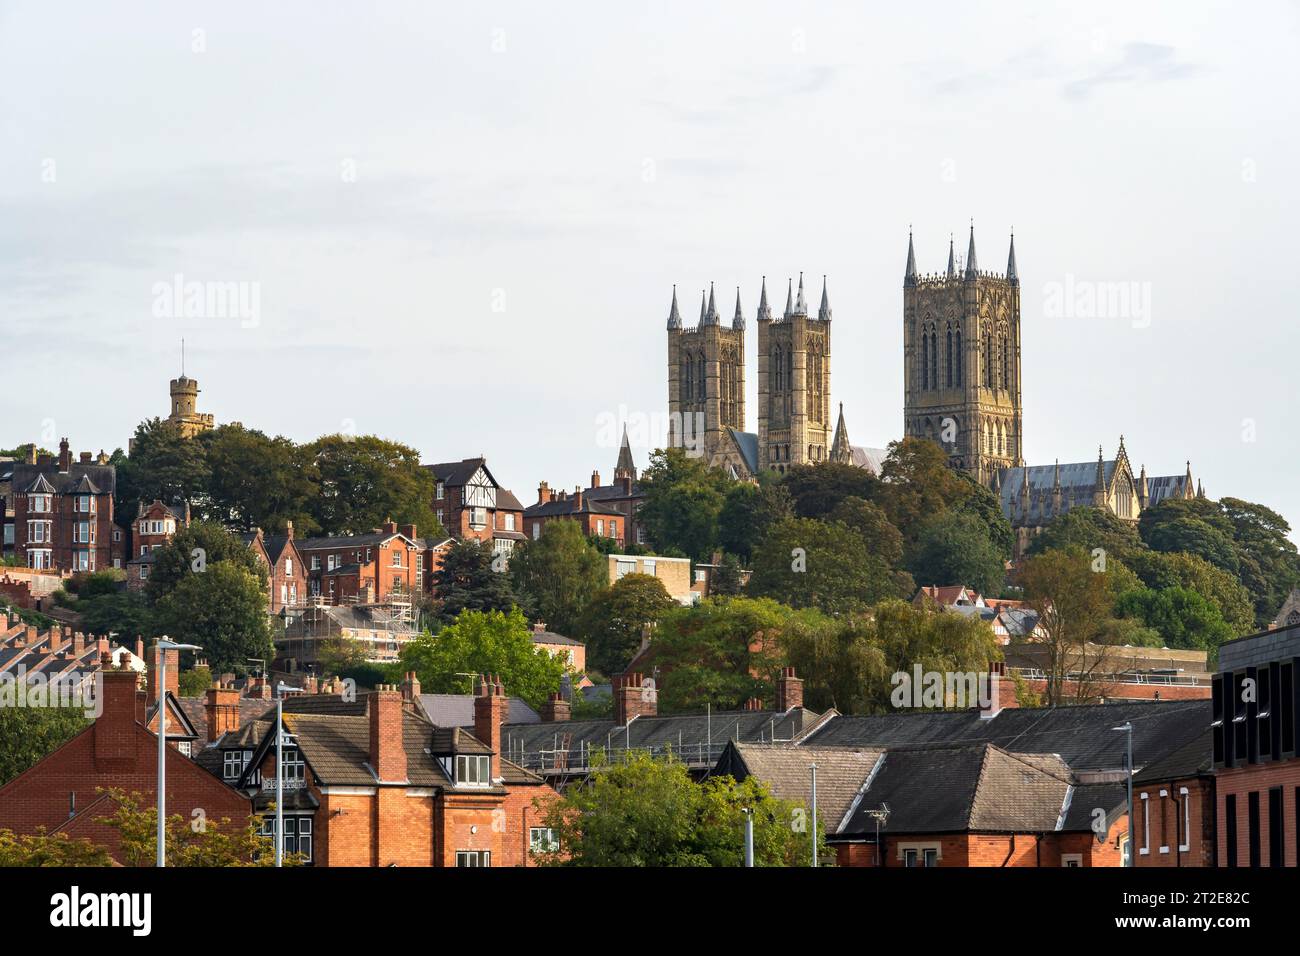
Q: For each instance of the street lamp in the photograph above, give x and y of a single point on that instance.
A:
(280, 735)
(749, 835)
(161, 647)
(1127, 727)
(813, 768)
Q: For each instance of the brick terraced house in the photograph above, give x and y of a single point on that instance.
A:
(374, 783)
(471, 504)
(377, 567)
(63, 512)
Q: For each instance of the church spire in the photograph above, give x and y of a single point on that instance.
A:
(952, 258)
(841, 450)
(764, 310)
(972, 267)
(1099, 490)
(704, 306)
(625, 465)
(1200, 489)
(800, 303)
(789, 299)
(674, 317)
(1012, 275)
(824, 313)
(909, 275)
(711, 316)
(738, 320)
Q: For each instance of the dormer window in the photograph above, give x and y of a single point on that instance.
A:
(40, 503)
(473, 770)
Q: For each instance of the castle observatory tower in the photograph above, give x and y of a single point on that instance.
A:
(794, 382)
(184, 413)
(706, 379)
(961, 355)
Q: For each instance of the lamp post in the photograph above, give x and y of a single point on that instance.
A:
(1127, 727)
(280, 688)
(749, 835)
(161, 647)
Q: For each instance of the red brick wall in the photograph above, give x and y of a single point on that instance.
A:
(993, 850)
(1167, 825)
(1259, 777)
(61, 518)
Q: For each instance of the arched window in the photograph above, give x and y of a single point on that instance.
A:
(948, 358)
(1006, 362)
(688, 381)
(934, 358)
(959, 356)
(700, 386)
(925, 361)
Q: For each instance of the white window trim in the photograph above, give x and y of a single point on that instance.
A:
(1164, 848)
(1186, 803)
(1068, 858)
(920, 849)
(1145, 850)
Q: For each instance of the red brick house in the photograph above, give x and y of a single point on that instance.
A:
(371, 568)
(286, 570)
(155, 524)
(471, 503)
(1174, 805)
(1255, 723)
(63, 512)
(116, 751)
(596, 518)
(374, 783)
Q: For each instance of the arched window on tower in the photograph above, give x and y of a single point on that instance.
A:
(959, 356)
(988, 359)
(1006, 362)
(688, 381)
(934, 358)
(925, 361)
(948, 358)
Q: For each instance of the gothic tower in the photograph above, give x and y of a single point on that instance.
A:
(794, 382)
(706, 379)
(961, 355)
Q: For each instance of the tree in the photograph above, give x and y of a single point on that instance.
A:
(726, 580)
(1088, 529)
(214, 843)
(816, 490)
(917, 483)
(194, 549)
(1074, 603)
(105, 606)
(719, 652)
(56, 849)
(260, 482)
(559, 574)
(981, 503)
(223, 610)
(1159, 570)
(683, 503)
(1182, 617)
(614, 620)
(808, 563)
(870, 521)
(849, 663)
(340, 655)
(193, 682)
(30, 734)
(748, 511)
(643, 812)
(472, 578)
(163, 465)
(953, 547)
(488, 642)
(365, 481)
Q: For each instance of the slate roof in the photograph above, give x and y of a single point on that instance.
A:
(458, 472)
(698, 739)
(973, 787)
(550, 637)
(457, 710)
(786, 771)
(872, 459)
(1081, 735)
(103, 478)
(506, 501)
(348, 541)
(747, 443)
(1078, 484)
(569, 505)
(193, 707)
(1193, 759)
(607, 492)
(1166, 486)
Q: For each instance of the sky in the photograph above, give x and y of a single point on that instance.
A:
(458, 226)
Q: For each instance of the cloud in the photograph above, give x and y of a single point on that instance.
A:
(1137, 64)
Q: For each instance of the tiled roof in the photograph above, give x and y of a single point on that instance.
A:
(569, 505)
(1166, 486)
(550, 637)
(48, 478)
(977, 787)
(1193, 759)
(787, 772)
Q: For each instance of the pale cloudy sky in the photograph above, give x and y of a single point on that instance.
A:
(463, 222)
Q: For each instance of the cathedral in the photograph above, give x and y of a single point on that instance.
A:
(961, 384)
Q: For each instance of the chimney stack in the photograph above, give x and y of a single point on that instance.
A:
(78, 644)
(390, 527)
(221, 707)
(634, 696)
(990, 704)
(173, 660)
(539, 627)
(114, 729)
(555, 709)
(754, 703)
(543, 493)
(387, 748)
(490, 709)
(595, 479)
(411, 687)
(65, 456)
(139, 648)
(789, 691)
